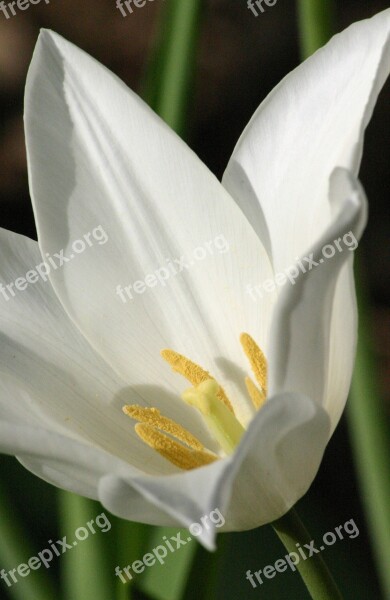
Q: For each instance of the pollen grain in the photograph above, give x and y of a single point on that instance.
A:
(176, 453)
(257, 360)
(153, 417)
(192, 372)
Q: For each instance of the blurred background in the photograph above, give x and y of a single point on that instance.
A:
(240, 59)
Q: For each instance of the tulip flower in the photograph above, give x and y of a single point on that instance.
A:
(143, 363)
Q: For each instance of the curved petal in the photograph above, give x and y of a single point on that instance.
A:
(64, 383)
(61, 460)
(342, 344)
(312, 122)
(71, 477)
(312, 346)
(100, 158)
(272, 468)
(127, 502)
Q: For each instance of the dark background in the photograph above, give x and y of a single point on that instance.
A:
(240, 59)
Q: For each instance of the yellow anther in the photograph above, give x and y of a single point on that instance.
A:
(176, 453)
(192, 372)
(257, 360)
(257, 397)
(222, 423)
(177, 444)
(153, 417)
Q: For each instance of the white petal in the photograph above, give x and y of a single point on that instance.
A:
(61, 460)
(343, 341)
(64, 383)
(312, 122)
(175, 500)
(98, 156)
(17, 407)
(314, 328)
(278, 460)
(127, 502)
(75, 478)
(273, 467)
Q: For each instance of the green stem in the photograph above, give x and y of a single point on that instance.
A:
(14, 551)
(316, 19)
(88, 574)
(132, 541)
(170, 74)
(313, 571)
(369, 431)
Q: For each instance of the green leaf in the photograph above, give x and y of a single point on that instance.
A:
(370, 437)
(167, 580)
(202, 583)
(15, 550)
(132, 541)
(316, 24)
(169, 80)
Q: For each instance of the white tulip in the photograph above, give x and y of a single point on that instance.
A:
(73, 353)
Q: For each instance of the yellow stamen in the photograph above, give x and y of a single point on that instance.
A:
(177, 444)
(192, 372)
(222, 423)
(257, 397)
(176, 453)
(257, 360)
(152, 416)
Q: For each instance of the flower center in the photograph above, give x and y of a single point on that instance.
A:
(178, 445)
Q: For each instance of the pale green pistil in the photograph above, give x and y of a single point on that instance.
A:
(221, 421)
